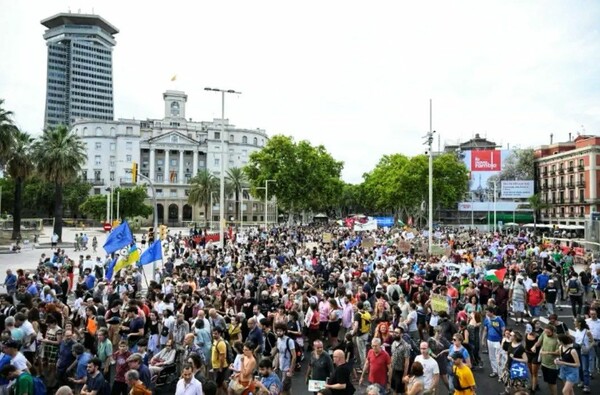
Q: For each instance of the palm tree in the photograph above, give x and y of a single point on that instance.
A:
(59, 154)
(237, 180)
(7, 131)
(20, 166)
(536, 203)
(202, 185)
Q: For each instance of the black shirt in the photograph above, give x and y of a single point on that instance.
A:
(341, 375)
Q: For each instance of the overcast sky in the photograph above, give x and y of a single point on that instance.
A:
(354, 76)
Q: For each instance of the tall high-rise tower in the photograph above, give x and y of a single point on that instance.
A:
(79, 82)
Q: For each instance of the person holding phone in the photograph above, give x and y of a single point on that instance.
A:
(568, 363)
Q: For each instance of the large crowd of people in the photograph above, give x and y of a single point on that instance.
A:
(369, 313)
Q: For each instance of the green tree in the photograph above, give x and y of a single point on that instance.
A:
(202, 185)
(75, 194)
(20, 166)
(307, 177)
(131, 204)
(536, 203)
(94, 207)
(60, 154)
(7, 133)
(353, 199)
(382, 186)
(236, 178)
(38, 197)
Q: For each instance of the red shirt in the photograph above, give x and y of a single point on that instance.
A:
(378, 365)
(534, 297)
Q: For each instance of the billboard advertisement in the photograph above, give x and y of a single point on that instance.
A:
(516, 189)
(510, 170)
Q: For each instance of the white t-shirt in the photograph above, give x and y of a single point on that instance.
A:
(430, 368)
(19, 362)
(28, 330)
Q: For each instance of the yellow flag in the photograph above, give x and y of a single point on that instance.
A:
(174, 77)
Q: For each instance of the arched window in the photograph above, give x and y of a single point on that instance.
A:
(255, 141)
(113, 132)
(85, 131)
(98, 131)
(231, 138)
(244, 140)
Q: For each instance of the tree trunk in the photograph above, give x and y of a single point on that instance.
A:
(237, 209)
(58, 209)
(17, 204)
(206, 215)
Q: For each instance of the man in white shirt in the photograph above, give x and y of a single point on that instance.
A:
(188, 384)
(431, 369)
(29, 336)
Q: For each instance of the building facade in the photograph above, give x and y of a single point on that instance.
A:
(567, 180)
(79, 82)
(170, 151)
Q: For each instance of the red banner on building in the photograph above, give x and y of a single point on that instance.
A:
(487, 160)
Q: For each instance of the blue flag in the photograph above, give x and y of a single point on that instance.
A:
(111, 269)
(152, 254)
(120, 237)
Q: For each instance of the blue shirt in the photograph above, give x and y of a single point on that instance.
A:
(32, 289)
(81, 369)
(495, 328)
(542, 280)
(272, 382)
(90, 281)
(65, 355)
(11, 282)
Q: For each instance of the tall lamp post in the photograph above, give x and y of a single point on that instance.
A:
(267, 200)
(429, 137)
(222, 175)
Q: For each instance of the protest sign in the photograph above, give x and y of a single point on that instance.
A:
(439, 303)
(326, 237)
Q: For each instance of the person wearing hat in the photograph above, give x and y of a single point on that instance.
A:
(462, 376)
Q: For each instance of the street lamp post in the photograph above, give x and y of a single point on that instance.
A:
(222, 175)
(267, 200)
(429, 138)
(211, 209)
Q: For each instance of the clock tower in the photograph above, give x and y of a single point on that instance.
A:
(174, 104)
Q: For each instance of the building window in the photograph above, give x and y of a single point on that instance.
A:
(98, 160)
(217, 161)
(112, 161)
(129, 130)
(97, 175)
(112, 175)
(582, 195)
(244, 140)
(113, 146)
(255, 141)
(128, 145)
(217, 135)
(159, 193)
(128, 158)
(173, 162)
(231, 138)
(98, 131)
(84, 174)
(98, 145)
(173, 192)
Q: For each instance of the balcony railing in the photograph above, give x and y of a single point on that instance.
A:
(581, 215)
(552, 172)
(580, 168)
(581, 183)
(553, 187)
(570, 185)
(544, 173)
(561, 185)
(561, 171)
(96, 181)
(571, 169)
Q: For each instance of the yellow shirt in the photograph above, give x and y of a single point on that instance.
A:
(465, 378)
(219, 348)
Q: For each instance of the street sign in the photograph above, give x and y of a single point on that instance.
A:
(107, 227)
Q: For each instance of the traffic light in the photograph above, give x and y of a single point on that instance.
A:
(163, 232)
(134, 172)
(150, 236)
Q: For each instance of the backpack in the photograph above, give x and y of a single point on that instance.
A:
(456, 382)
(395, 294)
(39, 388)
(229, 355)
(413, 346)
(573, 287)
(365, 322)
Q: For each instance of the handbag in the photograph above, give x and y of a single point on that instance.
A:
(519, 371)
(236, 387)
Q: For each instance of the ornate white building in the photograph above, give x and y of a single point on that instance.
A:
(169, 151)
